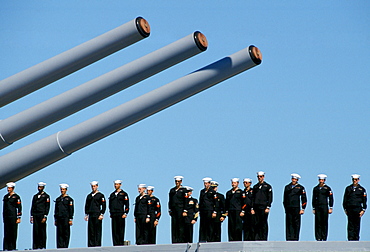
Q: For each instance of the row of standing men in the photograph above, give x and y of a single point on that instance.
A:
(246, 209)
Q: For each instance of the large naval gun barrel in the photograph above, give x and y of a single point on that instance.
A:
(31, 158)
(39, 116)
(57, 67)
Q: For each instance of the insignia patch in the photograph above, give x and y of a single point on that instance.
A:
(191, 202)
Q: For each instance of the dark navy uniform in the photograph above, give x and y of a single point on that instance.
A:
(176, 205)
(322, 199)
(262, 199)
(119, 205)
(192, 212)
(94, 207)
(354, 201)
(233, 204)
(63, 214)
(155, 215)
(294, 199)
(12, 210)
(248, 219)
(141, 212)
(206, 208)
(39, 210)
(220, 212)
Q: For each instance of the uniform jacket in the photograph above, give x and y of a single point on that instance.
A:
(155, 207)
(207, 200)
(64, 207)
(191, 208)
(322, 196)
(355, 197)
(235, 200)
(295, 196)
(176, 199)
(119, 203)
(248, 199)
(219, 206)
(12, 206)
(262, 195)
(40, 204)
(142, 203)
(95, 204)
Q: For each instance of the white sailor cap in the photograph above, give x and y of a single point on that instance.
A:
(10, 184)
(94, 182)
(322, 176)
(141, 186)
(295, 175)
(247, 180)
(118, 181)
(214, 183)
(355, 176)
(189, 188)
(41, 184)
(150, 188)
(261, 173)
(207, 179)
(63, 186)
(235, 180)
(178, 177)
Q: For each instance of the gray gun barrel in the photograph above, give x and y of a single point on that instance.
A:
(57, 67)
(39, 116)
(31, 158)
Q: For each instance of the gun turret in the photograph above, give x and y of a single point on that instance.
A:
(78, 98)
(31, 158)
(57, 67)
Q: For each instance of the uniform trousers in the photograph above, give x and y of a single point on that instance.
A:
(118, 229)
(188, 232)
(292, 223)
(63, 232)
(261, 227)
(152, 231)
(94, 227)
(177, 226)
(354, 221)
(216, 230)
(206, 226)
(321, 222)
(248, 226)
(141, 229)
(39, 232)
(235, 226)
(10, 233)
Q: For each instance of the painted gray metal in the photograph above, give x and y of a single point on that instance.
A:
(31, 158)
(57, 67)
(234, 247)
(41, 115)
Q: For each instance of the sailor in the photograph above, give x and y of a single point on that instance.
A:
(261, 206)
(322, 205)
(12, 212)
(119, 206)
(95, 207)
(248, 219)
(142, 216)
(295, 202)
(190, 214)
(234, 205)
(176, 202)
(220, 212)
(354, 204)
(39, 212)
(63, 216)
(207, 211)
(155, 215)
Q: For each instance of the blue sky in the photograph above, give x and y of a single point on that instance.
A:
(305, 109)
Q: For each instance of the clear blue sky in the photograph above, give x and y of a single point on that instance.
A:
(305, 109)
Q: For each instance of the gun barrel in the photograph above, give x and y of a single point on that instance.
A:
(31, 158)
(76, 99)
(57, 67)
